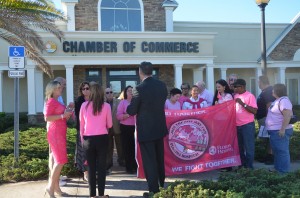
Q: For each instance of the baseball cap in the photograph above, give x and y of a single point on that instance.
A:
(240, 82)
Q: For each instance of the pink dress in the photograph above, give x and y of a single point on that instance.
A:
(57, 131)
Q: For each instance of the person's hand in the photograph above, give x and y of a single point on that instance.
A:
(281, 132)
(125, 116)
(71, 105)
(238, 100)
(67, 114)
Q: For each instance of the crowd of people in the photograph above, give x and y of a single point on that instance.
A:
(103, 121)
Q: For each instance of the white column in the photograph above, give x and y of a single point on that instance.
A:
(223, 73)
(258, 73)
(39, 87)
(210, 82)
(178, 75)
(169, 7)
(281, 75)
(70, 83)
(70, 11)
(1, 91)
(169, 19)
(197, 74)
(31, 89)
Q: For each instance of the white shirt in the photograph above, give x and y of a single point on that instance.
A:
(187, 105)
(208, 96)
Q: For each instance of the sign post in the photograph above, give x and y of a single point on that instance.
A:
(16, 61)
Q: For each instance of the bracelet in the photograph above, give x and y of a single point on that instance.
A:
(62, 116)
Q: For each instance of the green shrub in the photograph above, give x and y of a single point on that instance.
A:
(33, 160)
(7, 122)
(243, 184)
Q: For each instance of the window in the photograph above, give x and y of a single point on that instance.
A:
(94, 75)
(120, 15)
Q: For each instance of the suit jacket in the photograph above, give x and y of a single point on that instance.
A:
(116, 122)
(147, 104)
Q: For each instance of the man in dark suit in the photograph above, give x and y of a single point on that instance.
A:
(147, 103)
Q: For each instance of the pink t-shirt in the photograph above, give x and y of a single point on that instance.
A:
(122, 110)
(242, 115)
(182, 99)
(94, 124)
(274, 117)
(169, 105)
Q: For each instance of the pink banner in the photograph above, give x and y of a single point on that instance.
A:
(199, 140)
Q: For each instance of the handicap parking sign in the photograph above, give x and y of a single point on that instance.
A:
(16, 57)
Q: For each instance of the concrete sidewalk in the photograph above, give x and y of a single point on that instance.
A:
(118, 184)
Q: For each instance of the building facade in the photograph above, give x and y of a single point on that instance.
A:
(105, 41)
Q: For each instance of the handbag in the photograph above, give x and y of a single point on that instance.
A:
(293, 119)
(263, 132)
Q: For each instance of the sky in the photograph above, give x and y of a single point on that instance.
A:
(277, 11)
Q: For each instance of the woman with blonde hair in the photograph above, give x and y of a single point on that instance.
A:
(56, 118)
(95, 119)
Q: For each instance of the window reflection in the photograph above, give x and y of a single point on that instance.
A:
(120, 15)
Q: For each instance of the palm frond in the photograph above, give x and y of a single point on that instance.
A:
(19, 22)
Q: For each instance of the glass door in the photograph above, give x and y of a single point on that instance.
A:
(118, 79)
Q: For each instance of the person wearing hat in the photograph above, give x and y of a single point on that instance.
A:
(246, 108)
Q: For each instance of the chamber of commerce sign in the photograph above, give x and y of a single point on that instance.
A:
(129, 47)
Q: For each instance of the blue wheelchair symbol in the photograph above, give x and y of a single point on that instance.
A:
(16, 51)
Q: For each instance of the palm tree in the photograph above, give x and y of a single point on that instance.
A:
(19, 22)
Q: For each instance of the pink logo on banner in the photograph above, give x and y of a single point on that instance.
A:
(188, 139)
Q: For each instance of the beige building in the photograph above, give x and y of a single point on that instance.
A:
(106, 40)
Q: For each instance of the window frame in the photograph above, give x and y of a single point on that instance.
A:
(142, 17)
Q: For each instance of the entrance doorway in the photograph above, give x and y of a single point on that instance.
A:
(118, 79)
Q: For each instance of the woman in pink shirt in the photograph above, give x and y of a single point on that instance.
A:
(95, 119)
(127, 126)
(280, 131)
(223, 93)
(173, 103)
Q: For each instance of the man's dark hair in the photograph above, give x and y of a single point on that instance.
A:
(264, 80)
(146, 68)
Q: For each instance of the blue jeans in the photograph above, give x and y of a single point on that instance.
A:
(280, 148)
(246, 139)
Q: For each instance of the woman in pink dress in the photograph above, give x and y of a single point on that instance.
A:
(56, 117)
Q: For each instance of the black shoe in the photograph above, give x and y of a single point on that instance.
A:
(146, 195)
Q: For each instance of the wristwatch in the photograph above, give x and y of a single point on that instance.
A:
(245, 105)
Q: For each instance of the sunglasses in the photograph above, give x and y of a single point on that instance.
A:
(184, 88)
(85, 89)
(109, 92)
(232, 79)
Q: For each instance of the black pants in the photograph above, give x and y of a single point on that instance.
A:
(96, 150)
(127, 132)
(152, 153)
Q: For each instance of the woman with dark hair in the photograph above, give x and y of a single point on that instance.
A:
(127, 126)
(280, 131)
(223, 93)
(80, 159)
(194, 102)
(95, 119)
(173, 102)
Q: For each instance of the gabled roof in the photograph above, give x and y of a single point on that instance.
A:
(294, 21)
